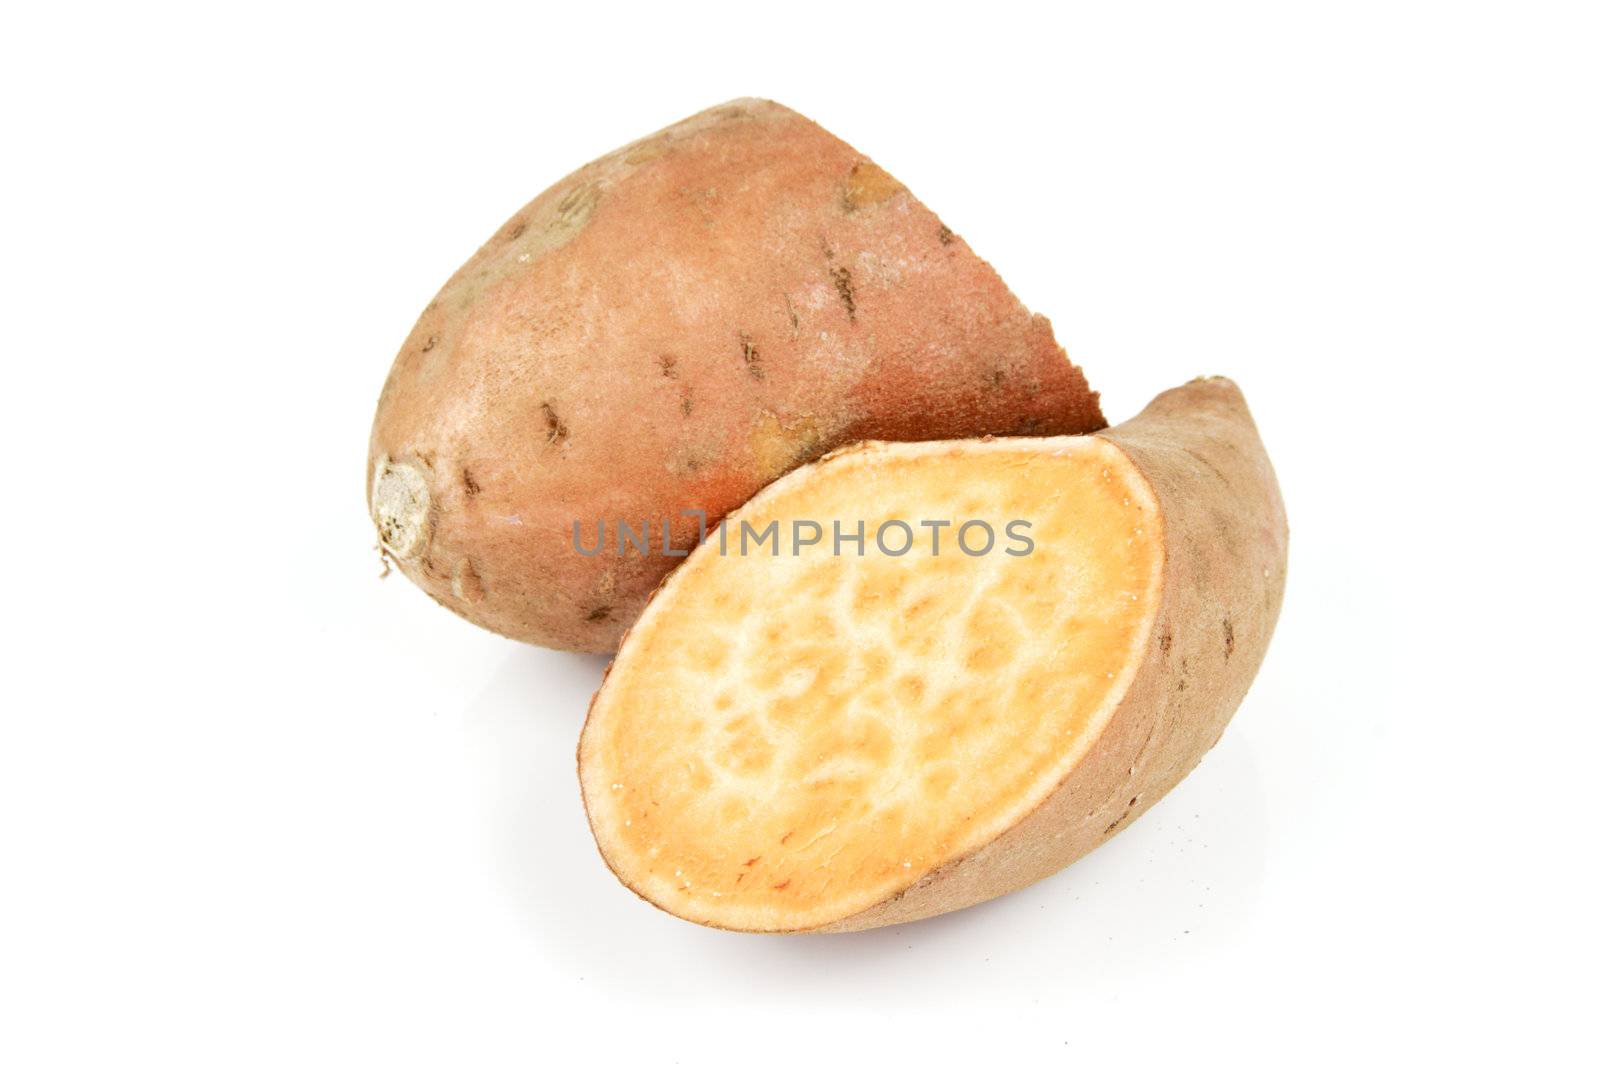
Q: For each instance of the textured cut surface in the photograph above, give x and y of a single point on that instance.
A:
(789, 740)
(812, 743)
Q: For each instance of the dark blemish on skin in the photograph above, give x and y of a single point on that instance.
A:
(866, 185)
(518, 230)
(466, 585)
(752, 357)
(471, 483)
(996, 378)
(751, 861)
(794, 318)
(1183, 683)
(577, 200)
(1123, 817)
(1212, 467)
(556, 429)
(1227, 638)
(782, 885)
(847, 293)
(945, 236)
(669, 366)
(785, 838)
(427, 346)
(687, 406)
(600, 614)
(1166, 641)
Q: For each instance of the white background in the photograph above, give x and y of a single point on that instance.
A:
(258, 806)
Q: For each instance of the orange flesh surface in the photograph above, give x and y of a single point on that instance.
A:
(784, 742)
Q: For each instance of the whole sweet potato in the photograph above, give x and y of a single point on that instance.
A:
(665, 331)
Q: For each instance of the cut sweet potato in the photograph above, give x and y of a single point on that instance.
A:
(813, 741)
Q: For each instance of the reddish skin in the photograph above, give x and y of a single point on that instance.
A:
(672, 327)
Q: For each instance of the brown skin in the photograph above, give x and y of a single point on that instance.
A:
(672, 327)
(1219, 551)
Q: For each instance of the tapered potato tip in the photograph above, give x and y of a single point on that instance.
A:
(822, 741)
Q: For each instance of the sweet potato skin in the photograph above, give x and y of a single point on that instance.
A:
(1226, 537)
(672, 327)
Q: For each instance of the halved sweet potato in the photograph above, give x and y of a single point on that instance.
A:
(816, 740)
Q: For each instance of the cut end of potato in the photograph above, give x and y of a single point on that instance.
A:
(400, 507)
(788, 740)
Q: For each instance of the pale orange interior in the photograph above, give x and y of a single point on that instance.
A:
(783, 742)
